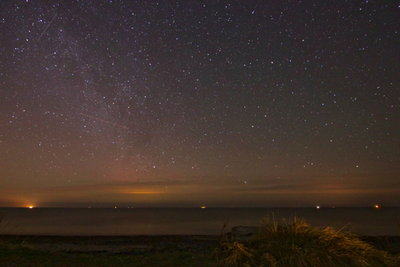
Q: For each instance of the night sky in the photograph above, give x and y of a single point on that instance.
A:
(188, 103)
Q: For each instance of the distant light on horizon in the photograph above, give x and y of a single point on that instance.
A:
(377, 206)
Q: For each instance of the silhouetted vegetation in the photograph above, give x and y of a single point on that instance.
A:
(285, 243)
(298, 244)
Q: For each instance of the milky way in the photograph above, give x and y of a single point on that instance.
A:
(264, 102)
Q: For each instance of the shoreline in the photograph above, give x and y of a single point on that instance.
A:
(113, 244)
(142, 243)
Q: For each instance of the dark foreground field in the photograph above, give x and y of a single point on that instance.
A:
(125, 251)
(107, 251)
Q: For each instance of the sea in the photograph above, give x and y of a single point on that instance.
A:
(186, 221)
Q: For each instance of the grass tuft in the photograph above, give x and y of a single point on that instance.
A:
(296, 243)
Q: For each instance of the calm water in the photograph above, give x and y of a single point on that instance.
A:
(46, 221)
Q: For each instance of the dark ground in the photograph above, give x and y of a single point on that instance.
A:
(107, 251)
(126, 250)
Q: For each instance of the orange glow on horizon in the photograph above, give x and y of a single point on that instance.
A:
(145, 192)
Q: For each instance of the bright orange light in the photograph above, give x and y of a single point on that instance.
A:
(203, 207)
(30, 207)
(377, 206)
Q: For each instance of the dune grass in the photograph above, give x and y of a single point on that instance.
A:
(288, 243)
(296, 243)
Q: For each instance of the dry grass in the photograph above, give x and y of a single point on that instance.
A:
(296, 243)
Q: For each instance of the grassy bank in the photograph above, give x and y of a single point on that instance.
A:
(288, 243)
(296, 243)
(125, 251)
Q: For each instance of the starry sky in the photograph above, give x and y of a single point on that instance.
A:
(188, 103)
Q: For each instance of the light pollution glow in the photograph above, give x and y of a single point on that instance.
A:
(199, 194)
